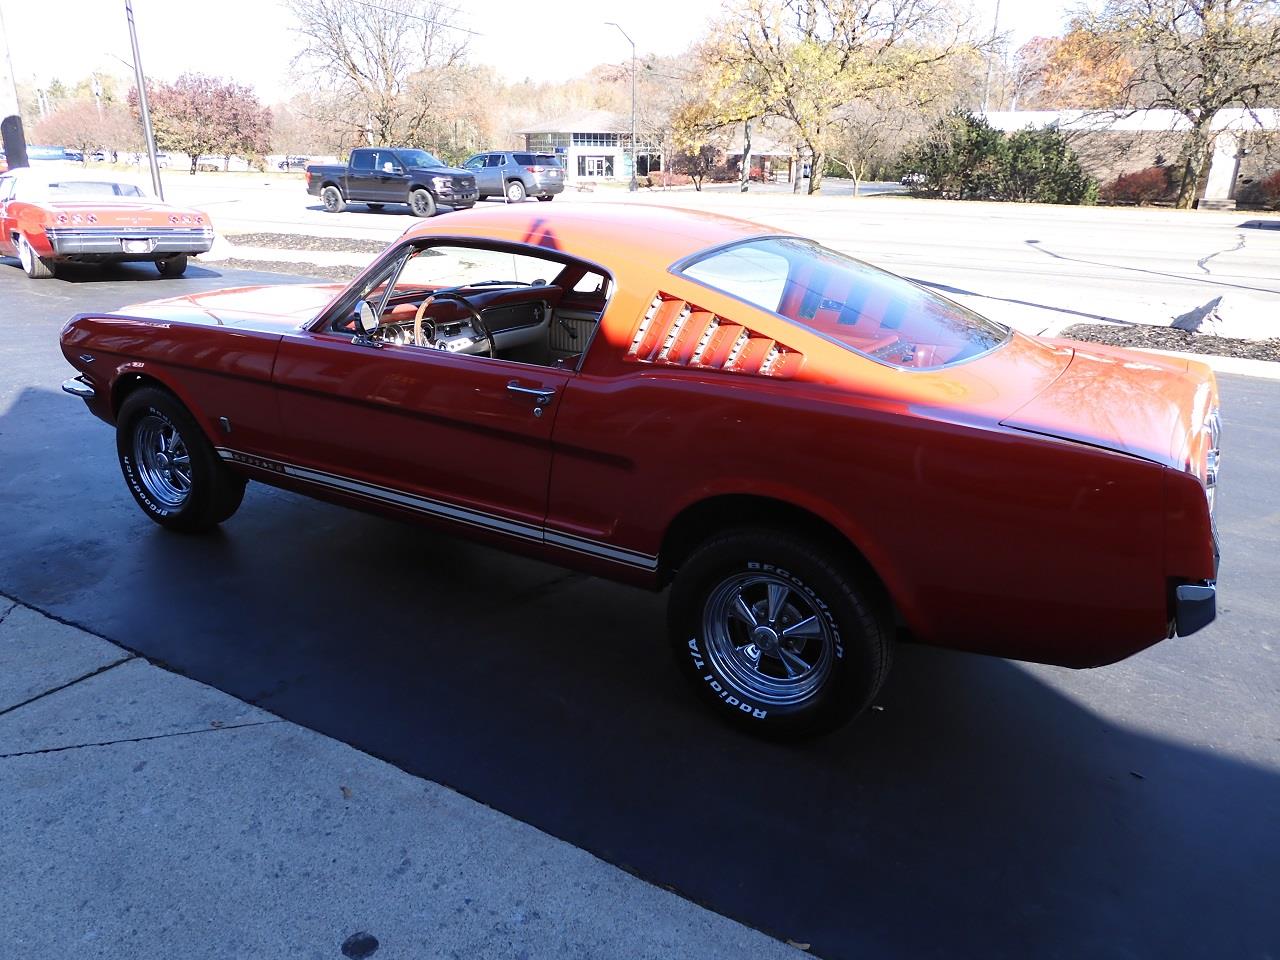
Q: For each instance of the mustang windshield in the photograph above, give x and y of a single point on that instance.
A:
(859, 306)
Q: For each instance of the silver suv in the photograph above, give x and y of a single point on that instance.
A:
(517, 175)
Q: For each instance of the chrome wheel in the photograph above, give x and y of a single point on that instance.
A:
(163, 461)
(769, 638)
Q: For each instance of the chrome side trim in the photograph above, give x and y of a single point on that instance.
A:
(448, 511)
(79, 387)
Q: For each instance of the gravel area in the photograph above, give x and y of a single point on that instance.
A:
(1166, 338)
(340, 272)
(302, 241)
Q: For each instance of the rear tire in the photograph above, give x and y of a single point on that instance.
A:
(170, 467)
(331, 197)
(422, 203)
(779, 635)
(515, 191)
(172, 267)
(36, 267)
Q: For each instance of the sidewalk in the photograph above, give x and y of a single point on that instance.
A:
(143, 814)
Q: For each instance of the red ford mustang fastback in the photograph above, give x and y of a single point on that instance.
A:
(817, 456)
(52, 216)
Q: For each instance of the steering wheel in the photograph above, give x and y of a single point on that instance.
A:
(477, 322)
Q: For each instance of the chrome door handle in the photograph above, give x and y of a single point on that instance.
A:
(544, 394)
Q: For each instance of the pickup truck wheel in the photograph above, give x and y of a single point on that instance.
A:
(375, 207)
(422, 203)
(174, 266)
(35, 266)
(515, 192)
(331, 197)
(777, 634)
(169, 465)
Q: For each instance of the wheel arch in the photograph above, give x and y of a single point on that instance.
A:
(701, 520)
(130, 381)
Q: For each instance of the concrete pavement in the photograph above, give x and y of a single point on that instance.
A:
(143, 814)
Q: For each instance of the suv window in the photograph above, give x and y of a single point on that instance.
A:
(524, 159)
(495, 160)
(547, 160)
(475, 163)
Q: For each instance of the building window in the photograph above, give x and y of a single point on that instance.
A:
(595, 166)
(595, 139)
(546, 142)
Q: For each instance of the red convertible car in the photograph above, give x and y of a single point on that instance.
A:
(817, 456)
(50, 217)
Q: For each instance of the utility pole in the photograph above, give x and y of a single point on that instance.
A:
(986, 84)
(11, 135)
(142, 102)
(634, 184)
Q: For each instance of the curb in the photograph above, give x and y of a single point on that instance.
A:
(1239, 366)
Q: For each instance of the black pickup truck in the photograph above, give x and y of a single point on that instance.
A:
(380, 175)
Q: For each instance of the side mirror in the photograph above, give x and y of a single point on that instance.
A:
(368, 317)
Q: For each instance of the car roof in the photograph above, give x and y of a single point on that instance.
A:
(612, 234)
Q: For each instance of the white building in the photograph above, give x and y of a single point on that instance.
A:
(592, 146)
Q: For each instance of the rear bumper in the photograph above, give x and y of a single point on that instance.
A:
(547, 188)
(125, 243)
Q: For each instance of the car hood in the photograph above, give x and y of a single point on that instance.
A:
(1135, 403)
(270, 309)
(443, 171)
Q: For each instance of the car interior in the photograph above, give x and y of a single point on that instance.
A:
(508, 303)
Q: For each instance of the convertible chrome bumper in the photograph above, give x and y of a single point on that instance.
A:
(1194, 606)
(126, 242)
(79, 387)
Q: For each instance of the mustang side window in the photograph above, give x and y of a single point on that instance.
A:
(860, 307)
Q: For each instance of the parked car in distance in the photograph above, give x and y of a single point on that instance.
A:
(377, 176)
(515, 175)
(293, 163)
(913, 179)
(816, 455)
(52, 217)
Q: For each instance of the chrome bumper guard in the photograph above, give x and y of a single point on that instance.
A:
(79, 387)
(1195, 606)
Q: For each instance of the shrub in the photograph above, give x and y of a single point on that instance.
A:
(1141, 187)
(1269, 189)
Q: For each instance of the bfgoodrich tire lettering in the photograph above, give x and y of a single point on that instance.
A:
(169, 465)
(778, 635)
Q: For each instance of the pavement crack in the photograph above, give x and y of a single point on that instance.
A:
(157, 736)
(1201, 263)
(69, 683)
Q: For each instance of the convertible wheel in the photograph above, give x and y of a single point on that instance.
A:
(331, 197)
(174, 266)
(35, 266)
(170, 467)
(422, 204)
(777, 634)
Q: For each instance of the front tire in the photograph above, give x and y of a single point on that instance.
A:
(172, 267)
(169, 465)
(779, 636)
(422, 203)
(331, 197)
(35, 266)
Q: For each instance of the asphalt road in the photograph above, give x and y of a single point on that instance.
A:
(984, 808)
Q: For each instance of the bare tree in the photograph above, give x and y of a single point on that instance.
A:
(391, 67)
(75, 124)
(1197, 57)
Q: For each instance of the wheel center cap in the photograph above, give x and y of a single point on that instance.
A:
(765, 638)
(162, 460)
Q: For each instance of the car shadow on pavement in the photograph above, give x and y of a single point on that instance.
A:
(114, 272)
(982, 807)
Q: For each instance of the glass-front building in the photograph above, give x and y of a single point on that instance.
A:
(595, 146)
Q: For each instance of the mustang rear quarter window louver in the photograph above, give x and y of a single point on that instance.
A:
(675, 333)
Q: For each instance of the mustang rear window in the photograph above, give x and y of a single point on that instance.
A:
(859, 306)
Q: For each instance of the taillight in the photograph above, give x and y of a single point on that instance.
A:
(536, 169)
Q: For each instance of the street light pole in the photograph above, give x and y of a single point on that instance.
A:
(142, 102)
(12, 137)
(634, 184)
